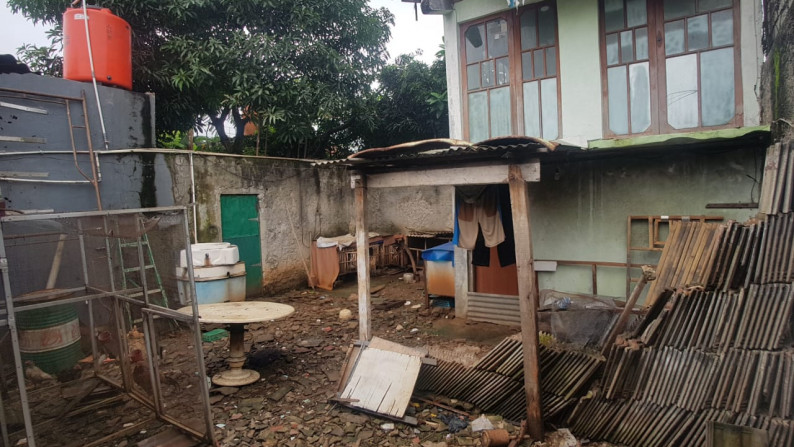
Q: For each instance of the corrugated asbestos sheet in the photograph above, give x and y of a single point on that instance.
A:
(720, 352)
(499, 309)
(495, 384)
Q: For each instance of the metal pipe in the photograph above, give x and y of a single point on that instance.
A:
(93, 79)
(25, 217)
(41, 152)
(12, 327)
(56, 261)
(193, 199)
(62, 182)
(88, 130)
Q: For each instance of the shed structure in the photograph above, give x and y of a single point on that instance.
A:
(513, 161)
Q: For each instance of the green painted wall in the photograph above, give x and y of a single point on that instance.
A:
(579, 209)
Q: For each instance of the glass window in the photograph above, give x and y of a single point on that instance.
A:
(551, 61)
(640, 92)
(502, 71)
(473, 77)
(636, 14)
(546, 26)
(710, 5)
(531, 109)
(526, 65)
(487, 74)
(626, 46)
(697, 31)
(478, 116)
(613, 15)
(612, 49)
(529, 30)
(641, 39)
(540, 68)
(475, 43)
(717, 83)
(722, 28)
(674, 37)
(618, 100)
(499, 108)
(497, 38)
(674, 9)
(682, 91)
(548, 101)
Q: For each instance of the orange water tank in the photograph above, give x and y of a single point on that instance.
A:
(111, 43)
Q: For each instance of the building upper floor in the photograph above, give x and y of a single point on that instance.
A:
(590, 71)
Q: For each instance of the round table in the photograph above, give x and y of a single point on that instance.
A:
(236, 315)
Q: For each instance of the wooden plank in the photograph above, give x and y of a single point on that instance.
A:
(527, 298)
(770, 178)
(468, 175)
(383, 382)
(780, 184)
(386, 345)
(362, 259)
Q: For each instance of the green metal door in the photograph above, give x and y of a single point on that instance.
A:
(240, 226)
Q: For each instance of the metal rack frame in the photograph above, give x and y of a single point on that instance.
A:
(150, 311)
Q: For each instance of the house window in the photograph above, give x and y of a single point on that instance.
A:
(510, 74)
(683, 79)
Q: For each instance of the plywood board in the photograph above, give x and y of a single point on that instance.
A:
(386, 345)
(382, 382)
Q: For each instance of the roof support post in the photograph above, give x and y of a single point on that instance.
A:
(358, 183)
(527, 298)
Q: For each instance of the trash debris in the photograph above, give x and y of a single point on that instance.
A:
(345, 315)
(387, 426)
(481, 423)
(454, 422)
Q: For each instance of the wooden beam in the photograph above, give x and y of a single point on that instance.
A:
(527, 299)
(468, 175)
(362, 258)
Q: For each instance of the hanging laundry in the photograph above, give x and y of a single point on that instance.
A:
(478, 210)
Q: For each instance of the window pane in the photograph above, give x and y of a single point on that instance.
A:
(475, 43)
(613, 15)
(722, 28)
(682, 91)
(717, 84)
(526, 65)
(548, 103)
(641, 36)
(612, 49)
(473, 77)
(551, 61)
(674, 37)
(626, 47)
(708, 5)
(618, 100)
(678, 8)
(540, 68)
(499, 108)
(640, 93)
(697, 29)
(487, 74)
(497, 38)
(546, 26)
(531, 109)
(502, 71)
(635, 13)
(478, 116)
(529, 32)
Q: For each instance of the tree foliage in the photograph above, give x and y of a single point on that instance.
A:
(410, 103)
(301, 71)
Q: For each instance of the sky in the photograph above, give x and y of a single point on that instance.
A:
(408, 35)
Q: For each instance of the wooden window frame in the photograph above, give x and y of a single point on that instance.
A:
(516, 84)
(658, 77)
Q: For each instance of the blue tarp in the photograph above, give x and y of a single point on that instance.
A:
(443, 252)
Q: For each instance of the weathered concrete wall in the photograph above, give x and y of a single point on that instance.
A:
(777, 100)
(398, 210)
(579, 209)
(129, 123)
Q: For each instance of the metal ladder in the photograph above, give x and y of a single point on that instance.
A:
(128, 274)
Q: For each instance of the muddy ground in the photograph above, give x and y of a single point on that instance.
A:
(300, 359)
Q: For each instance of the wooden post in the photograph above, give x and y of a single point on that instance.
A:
(362, 258)
(648, 275)
(527, 299)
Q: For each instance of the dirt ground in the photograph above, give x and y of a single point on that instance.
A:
(300, 359)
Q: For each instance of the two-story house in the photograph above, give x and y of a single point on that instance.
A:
(659, 97)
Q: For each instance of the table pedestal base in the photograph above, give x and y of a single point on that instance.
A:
(235, 377)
